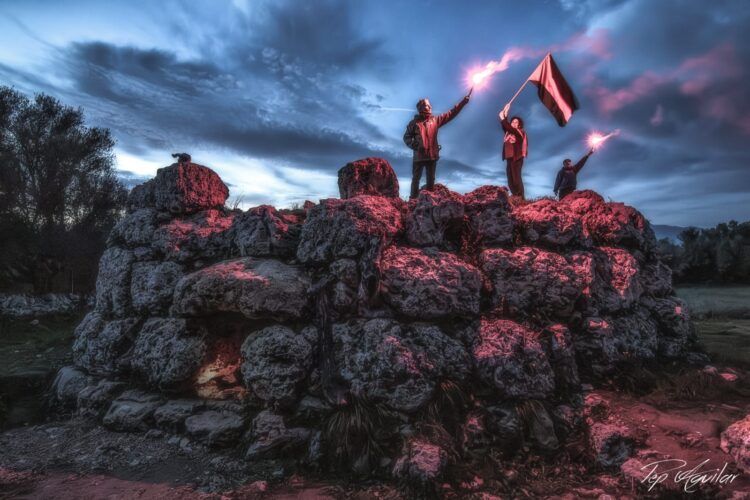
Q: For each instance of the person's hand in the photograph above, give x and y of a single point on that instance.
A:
(591, 151)
(468, 96)
(504, 112)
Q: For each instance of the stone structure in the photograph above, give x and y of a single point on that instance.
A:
(275, 330)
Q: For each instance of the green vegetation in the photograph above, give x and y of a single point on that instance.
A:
(59, 194)
(722, 320)
(715, 255)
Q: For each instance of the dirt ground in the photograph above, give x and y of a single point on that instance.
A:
(76, 459)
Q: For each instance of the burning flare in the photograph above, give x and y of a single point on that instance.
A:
(596, 139)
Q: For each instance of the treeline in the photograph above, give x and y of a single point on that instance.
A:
(59, 195)
(715, 255)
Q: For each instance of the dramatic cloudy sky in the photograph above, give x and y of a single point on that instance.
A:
(277, 95)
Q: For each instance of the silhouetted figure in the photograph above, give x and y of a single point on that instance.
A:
(182, 158)
(515, 149)
(567, 177)
(421, 136)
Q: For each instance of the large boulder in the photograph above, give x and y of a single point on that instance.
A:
(489, 215)
(675, 329)
(271, 437)
(264, 231)
(373, 176)
(136, 229)
(735, 441)
(113, 282)
(104, 348)
(510, 358)
(547, 223)
(276, 360)
(257, 288)
(428, 284)
(133, 410)
(399, 365)
(604, 342)
(204, 235)
(609, 224)
(181, 188)
(345, 228)
(168, 351)
(215, 428)
(529, 281)
(435, 219)
(612, 277)
(152, 286)
(68, 382)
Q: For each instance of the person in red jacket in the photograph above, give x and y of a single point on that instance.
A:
(421, 136)
(515, 149)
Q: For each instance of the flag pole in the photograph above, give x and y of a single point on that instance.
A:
(518, 92)
(524, 83)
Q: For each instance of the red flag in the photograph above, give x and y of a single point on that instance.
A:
(554, 91)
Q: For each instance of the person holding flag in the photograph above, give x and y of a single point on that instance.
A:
(567, 177)
(556, 95)
(515, 149)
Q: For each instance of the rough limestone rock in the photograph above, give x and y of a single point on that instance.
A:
(676, 331)
(511, 359)
(529, 280)
(104, 348)
(562, 356)
(93, 400)
(204, 235)
(428, 284)
(605, 342)
(264, 231)
(610, 224)
(436, 219)
(68, 382)
(615, 284)
(171, 415)
(421, 461)
(271, 437)
(399, 365)
(489, 215)
(735, 441)
(276, 360)
(113, 282)
(547, 223)
(152, 286)
(215, 428)
(132, 411)
(168, 351)
(257, 288)
(345, 228)
(181, 188)
(364, 324)
(136, 229)
(373, 176)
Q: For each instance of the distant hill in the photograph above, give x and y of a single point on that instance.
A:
(665, 231)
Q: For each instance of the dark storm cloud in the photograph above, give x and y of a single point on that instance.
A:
(312, 85)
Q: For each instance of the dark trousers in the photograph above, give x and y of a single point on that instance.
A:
(416, 175)
(513, 171)
(565, 192)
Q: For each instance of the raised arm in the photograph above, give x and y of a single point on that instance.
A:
(455, 110)
(578, 166)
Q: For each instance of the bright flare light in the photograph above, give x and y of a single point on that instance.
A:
(595, 139)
